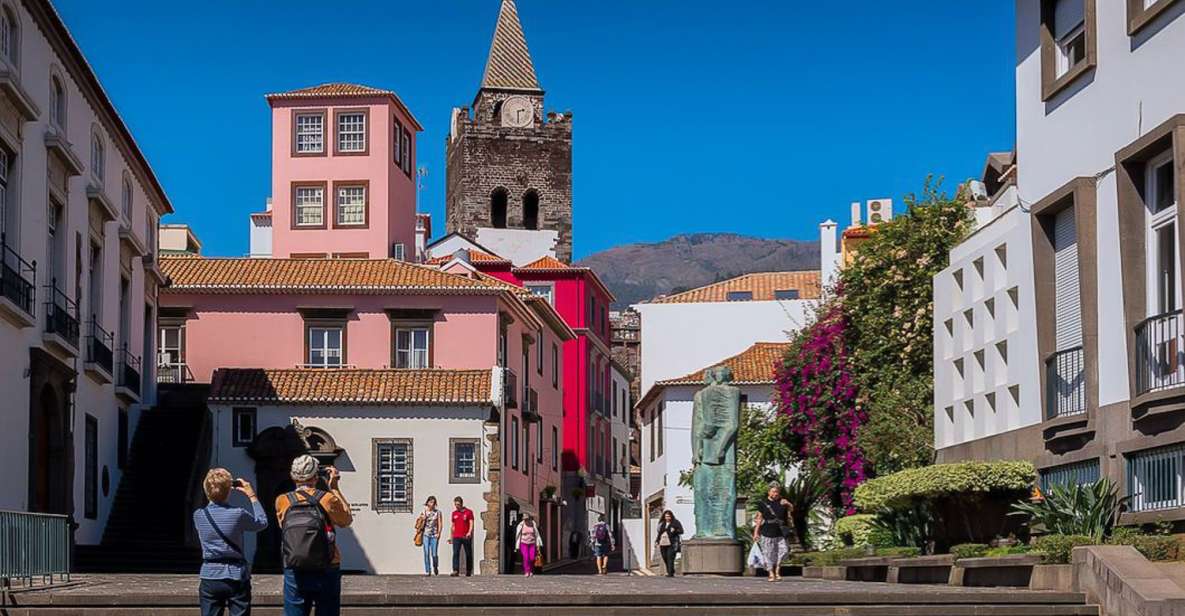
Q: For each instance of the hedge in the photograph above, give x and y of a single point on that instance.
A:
(859, 530)
(969, 550)
(943, 480)
(1055, 549)
(1153, 547)
(831, 558)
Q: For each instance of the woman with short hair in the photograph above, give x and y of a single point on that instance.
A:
(225, 574)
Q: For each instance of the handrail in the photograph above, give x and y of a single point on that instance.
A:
(61, 313)
(13, 283)
(100, 345)
(1160, 351)
(1155, 317)
(129, 370)
(1065, 383)
(34, 545)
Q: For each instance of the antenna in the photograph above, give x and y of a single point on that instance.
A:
(421, 173)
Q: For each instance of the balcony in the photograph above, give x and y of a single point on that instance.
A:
(18, 278)
(173, 373)
(127, 382)
(61, 321)
(100, 359)
(1065, 383)
(510, 388)
(1159, 350)
(530, 409)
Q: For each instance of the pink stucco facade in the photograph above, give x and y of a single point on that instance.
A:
(390, 217)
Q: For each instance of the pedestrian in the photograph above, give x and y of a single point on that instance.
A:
(770, 528)
(669, 540)
(602, 544)
(225, 575)
(308, 520)
(461, 537)
(529, 541)
(428, 529)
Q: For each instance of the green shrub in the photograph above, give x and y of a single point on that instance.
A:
(855, 530)
(1090, 509)
(896, 552)
(902, 488)
(969, 550)
(1153, 547)
(1055, 549)
(1008, 550)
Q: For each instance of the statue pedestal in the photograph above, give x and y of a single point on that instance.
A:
(713, 557)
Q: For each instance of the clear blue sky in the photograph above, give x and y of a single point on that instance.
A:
(761, 117)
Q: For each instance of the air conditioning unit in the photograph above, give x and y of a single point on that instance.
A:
(879, 210)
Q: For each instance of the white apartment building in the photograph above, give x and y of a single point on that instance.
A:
(1100, 145)
(79, 208)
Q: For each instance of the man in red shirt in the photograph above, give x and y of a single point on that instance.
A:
(462, 537)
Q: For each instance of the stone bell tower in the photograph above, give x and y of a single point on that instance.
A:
(509, 178)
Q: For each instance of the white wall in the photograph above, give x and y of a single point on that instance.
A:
(962, 409)
(378, 542)
(681, 338)
(261, 236)
(521, 246)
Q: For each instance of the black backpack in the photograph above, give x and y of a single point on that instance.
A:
(305, 533)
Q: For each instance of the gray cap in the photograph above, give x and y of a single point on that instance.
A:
(304, 468)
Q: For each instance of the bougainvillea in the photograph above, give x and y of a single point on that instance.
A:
(816, 393)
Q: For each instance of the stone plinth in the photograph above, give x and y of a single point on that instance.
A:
(713, 557)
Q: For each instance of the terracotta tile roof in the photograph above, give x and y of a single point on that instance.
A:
(754, 366)
(761, 285)
(551, 265)
(475, 256)
(509, 66)
(546, 263)
(331, 89)
(382, 276)
(352, 387)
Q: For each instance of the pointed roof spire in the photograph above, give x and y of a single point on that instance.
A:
(509, 66)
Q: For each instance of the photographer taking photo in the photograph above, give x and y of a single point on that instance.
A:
(308, 520)
(225, 574)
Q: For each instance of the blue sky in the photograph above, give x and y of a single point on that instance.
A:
(760, 117)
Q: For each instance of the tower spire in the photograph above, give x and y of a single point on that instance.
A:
(509, 66)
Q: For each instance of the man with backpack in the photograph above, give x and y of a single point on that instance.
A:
(602, 544)
(308, 518)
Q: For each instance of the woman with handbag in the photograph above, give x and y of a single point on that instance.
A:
(428, 529)
(529, 542)
(670, 533)
(770, 529)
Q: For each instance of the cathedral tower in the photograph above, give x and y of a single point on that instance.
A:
(509, 178)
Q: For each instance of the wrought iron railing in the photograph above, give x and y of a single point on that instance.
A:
(1154, 478)
(1159, 352)
(99, 344)
(1065, 383)
(32, 546)
(129, 371)
(18, 277)
(510, 388)
(173, 373)
(61, 314)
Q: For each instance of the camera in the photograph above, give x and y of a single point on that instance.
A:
(237, 483)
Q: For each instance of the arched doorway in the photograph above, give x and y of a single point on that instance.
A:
(531, 209)
(498, 202)
(49, 477)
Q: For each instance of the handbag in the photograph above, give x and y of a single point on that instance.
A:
(418, 539)
(538, 560)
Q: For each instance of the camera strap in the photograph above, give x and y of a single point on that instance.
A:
(234, 546)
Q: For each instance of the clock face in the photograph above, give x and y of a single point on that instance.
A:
(517, 112)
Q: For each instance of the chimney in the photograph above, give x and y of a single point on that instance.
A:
(855, 214)
(828, 256)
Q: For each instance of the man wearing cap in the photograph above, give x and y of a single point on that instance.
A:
(304, 590)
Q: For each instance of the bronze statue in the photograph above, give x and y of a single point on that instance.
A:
(715, 418)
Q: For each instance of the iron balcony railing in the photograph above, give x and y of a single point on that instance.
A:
(1065, 383)
(1154, 478)
(61, 314)
(1159, 352)
(99, 343)
(18, 277)
(173, 373)
(32, 546)
(510, 387)
(129, 371)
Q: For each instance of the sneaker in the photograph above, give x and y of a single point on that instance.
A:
(454, 574)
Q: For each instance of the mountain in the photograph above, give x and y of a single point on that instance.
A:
(638, 272)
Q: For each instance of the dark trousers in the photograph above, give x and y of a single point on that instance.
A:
(465, 545)
(668, 557)
(216, 596)
(305, 590)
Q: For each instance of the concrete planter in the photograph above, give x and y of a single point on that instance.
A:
(921, 569)
(824, 573)
(1052, 577)
(871, 569)
(1012, 571)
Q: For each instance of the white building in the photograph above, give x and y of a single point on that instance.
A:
(395, 440)
(665, 413)
(1100, 143)
(79, 207)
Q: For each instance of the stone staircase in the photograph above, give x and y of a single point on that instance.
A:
(150, 517)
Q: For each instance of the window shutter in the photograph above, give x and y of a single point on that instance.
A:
(1067, 15)
(1067, 302)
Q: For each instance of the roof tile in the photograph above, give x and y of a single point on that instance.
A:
(509, 65)
(755, 365)
(352, 387)
(762, 285)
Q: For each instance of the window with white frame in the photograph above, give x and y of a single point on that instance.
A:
(464, 461)
(57, 103)
(9, 35)
(411, 347)
(98, 156)
(1069, 29)
(1164, 289)
(405, 146)
(351, 132)
(125, 198)
(543, 290)
(170, 361)
(310, 206)
(244, 421)
(325, 347)
(397, 140)
(351, 205)
(310, 133)
(392, 475)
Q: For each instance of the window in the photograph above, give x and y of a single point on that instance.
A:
(555, 366)
(653, 417)
(351, 132)
(405, 146)
(351, 206)
(411, 347)
(397, 252)
(539, 446)
(740, 296)
(57, 104)
(1078, 473)
(326, 347)
(1067, 43)
(786, 294)
(1140, 13)
(555, 448)
(397, 141)
(498, 201)
(1071, 49)
(530, 210)
(95, 281)
(98, 156)
(543, 290)
(539, 352)
(310, 133)
(526, 448)
(526, 399)
(1164, 293)
(1154, 478)
(91, 480)
(465, 461)
(615, 462)
(53, 214)
(243, 432)
(392, 490)
(125, 197)
(5, 171)
(309, 204)
(514, 443)
(9, 35)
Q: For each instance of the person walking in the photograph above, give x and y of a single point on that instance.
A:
(529, 541)
(670, 533)
(461, 537)
(770, 528)
(602, 544)
(428, 530)
(308, 520)
(225, 575)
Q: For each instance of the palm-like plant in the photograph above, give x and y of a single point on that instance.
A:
(1091, 509)
(805, 492)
